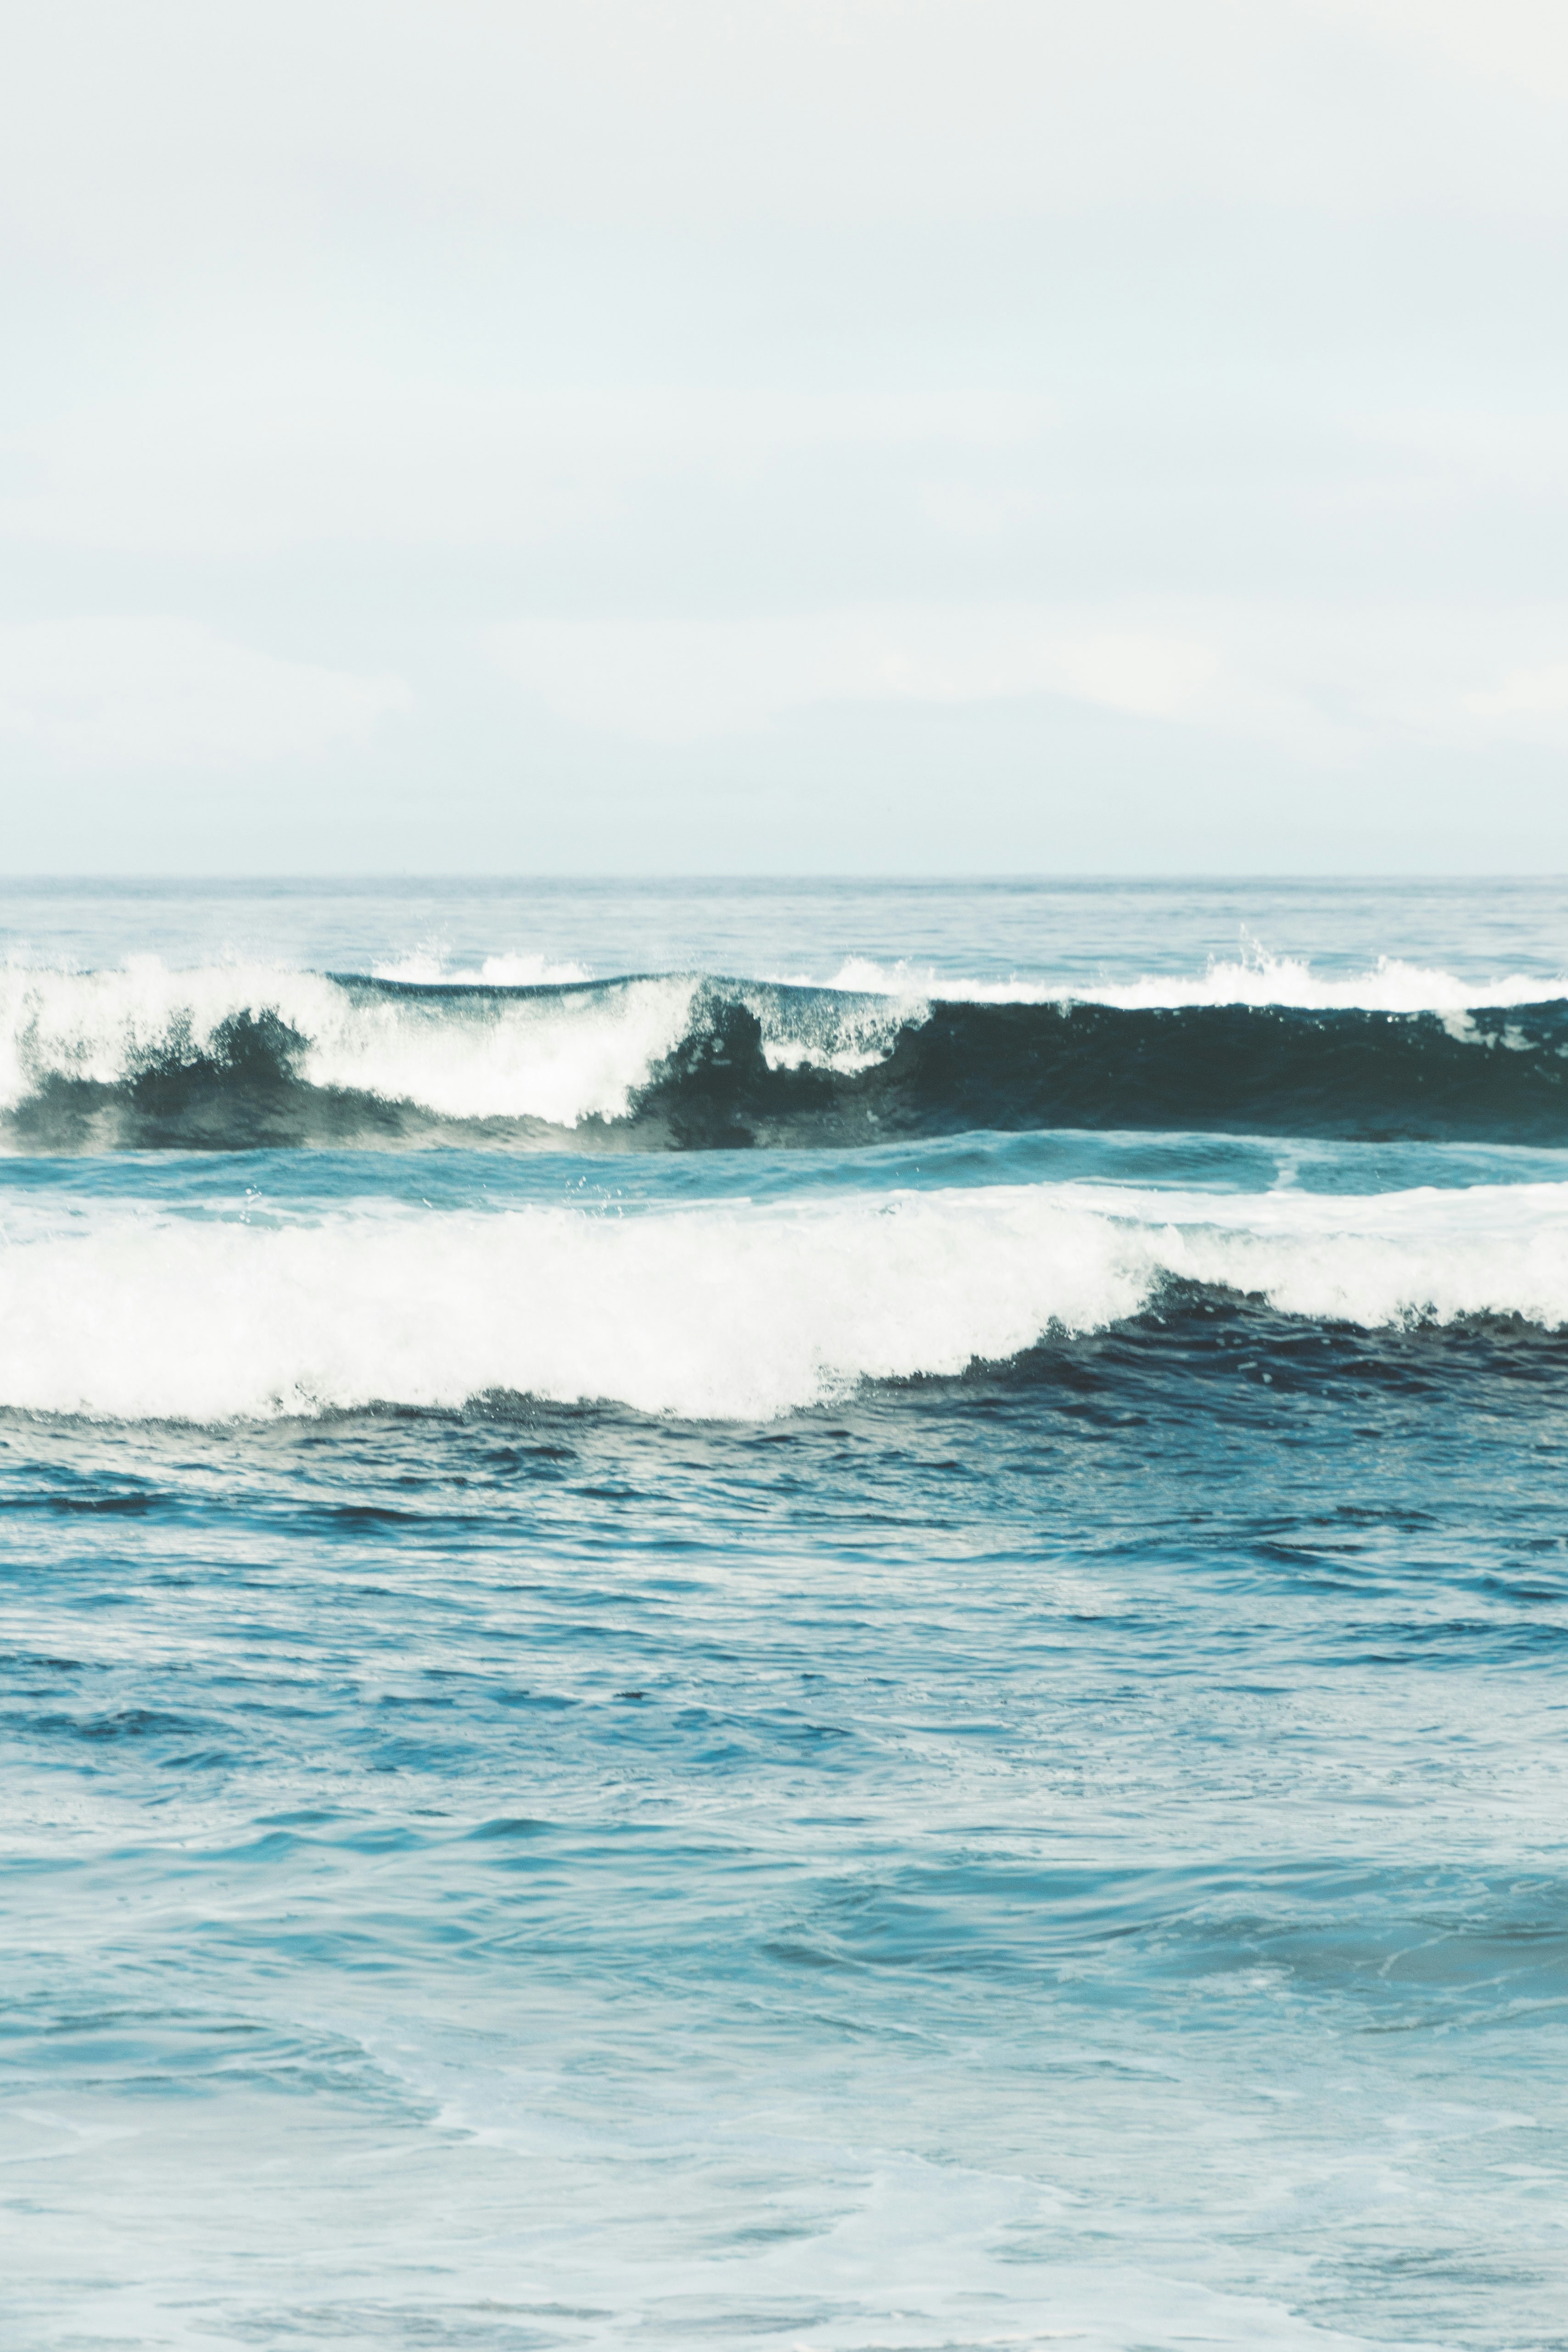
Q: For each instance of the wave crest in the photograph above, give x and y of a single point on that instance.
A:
(716, 1312)
(234, 1058)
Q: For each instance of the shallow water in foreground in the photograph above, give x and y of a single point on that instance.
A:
(1005, 1785)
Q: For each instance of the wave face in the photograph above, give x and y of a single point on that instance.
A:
(234, 1058)
(719, 1311)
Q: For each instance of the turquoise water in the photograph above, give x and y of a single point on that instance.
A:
(950, 1741)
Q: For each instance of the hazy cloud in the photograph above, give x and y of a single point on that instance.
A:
(1325, 682)
(754, 391)
(144, 692)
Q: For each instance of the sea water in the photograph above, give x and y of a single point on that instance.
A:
(784, 1615)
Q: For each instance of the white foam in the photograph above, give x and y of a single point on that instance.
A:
(579, 1049)
(1255, 978)
(731, 1312)
(562, 1057)
(428, 966)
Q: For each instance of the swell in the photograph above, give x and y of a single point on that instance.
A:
(681, 1063)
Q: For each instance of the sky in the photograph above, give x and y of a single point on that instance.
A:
(764, 436)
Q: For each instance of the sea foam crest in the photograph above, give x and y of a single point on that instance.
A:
(555, 1054)
(559, 1052)
(1255, 978)
(560, 1056)
(730, 1311)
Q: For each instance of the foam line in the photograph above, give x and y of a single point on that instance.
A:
(715, 1312)
(1390, 985)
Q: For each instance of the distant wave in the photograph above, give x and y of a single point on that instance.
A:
(720, 1312)
(232, 1058)
(1392, 985)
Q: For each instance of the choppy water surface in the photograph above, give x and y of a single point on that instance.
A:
(814, 1617)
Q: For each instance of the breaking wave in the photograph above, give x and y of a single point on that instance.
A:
(721, 1311)
(236, 1058)
(1392, 985)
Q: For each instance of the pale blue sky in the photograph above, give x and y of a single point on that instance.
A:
(892, 436)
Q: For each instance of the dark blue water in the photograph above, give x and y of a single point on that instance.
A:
(640, 1708)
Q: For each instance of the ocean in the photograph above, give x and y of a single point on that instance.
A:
(794, 1615)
